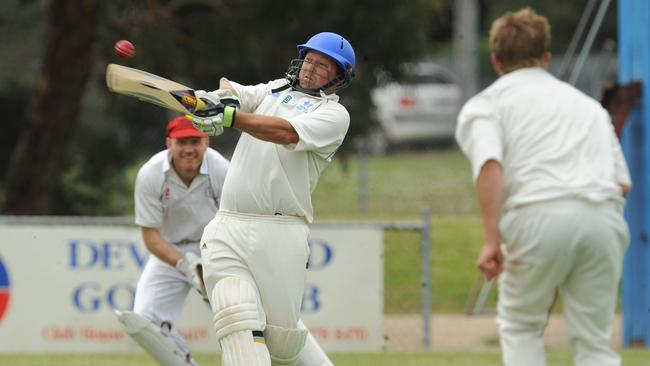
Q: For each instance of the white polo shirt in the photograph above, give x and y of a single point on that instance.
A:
(552, 140)
(163, 201)
(268, 178)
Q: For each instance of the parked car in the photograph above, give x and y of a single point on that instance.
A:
(419, 108)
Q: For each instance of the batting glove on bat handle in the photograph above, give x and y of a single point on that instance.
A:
(191, 268)
(211, 126)
(219, 103)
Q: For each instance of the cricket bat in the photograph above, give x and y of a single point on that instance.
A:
(153, 89)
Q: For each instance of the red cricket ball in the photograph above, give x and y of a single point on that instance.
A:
(124, 49)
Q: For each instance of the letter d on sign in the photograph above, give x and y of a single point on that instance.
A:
(83, 254)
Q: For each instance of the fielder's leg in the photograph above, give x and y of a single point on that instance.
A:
(596, 275)
(237, 323)
(154, 339)
(527, 286)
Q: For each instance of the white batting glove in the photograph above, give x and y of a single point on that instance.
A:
(190, 266)
(211, 126)
(221, 106)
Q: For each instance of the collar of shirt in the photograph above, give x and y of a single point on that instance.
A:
(282, 82)
(329, 97)
(524, 72)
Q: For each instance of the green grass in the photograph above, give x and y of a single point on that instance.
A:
(631, 357)
(455, 244)
(399, 187)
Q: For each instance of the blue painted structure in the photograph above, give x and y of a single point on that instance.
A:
(634, 65)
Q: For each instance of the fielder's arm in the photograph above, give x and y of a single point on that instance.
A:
(160, 247)
(489, 191)
(189, 264)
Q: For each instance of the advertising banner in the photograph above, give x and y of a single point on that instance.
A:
(59, 285)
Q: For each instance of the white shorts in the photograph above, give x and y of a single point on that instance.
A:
(270, 252)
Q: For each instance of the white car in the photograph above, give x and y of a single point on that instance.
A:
(420, 108)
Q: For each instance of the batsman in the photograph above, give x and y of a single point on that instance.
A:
(254, 252)
(177, 192)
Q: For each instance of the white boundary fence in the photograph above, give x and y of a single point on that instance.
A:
(60, 277)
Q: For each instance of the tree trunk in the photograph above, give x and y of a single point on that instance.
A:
(36, 162)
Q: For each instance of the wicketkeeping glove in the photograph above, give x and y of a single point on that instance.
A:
(190, 266)
(221, 106)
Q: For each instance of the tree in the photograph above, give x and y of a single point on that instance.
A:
(36, 163)
(78, 140)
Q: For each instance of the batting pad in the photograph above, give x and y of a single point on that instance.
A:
(284, 344)
(150, 337)
(235, 319)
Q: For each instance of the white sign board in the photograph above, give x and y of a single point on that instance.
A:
(59, 284)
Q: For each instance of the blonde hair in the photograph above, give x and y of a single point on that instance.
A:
(520, 39)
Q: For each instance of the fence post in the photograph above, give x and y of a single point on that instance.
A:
(362, 201)
(426, 278)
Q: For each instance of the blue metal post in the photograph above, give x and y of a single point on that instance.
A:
(634, 65)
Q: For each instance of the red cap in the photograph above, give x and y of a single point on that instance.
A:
(182, 127)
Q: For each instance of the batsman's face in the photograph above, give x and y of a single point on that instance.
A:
(317, 69)
(187, 154)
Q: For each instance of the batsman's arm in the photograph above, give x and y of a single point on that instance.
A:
(224, 111)
(160, 247)
(268, 128)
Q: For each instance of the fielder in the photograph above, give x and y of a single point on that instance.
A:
(550, 180)
(177, 192)
(254, 252)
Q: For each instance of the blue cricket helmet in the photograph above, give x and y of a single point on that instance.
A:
(334, 46)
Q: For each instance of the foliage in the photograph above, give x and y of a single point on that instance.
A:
(563, 17)
(199, 41)
(253, 41)
(195, 42)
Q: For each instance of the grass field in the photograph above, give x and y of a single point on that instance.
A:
(399, 187)
(631, 357)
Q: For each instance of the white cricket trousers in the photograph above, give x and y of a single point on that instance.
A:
(161, 293)
(270, 252)
(571, 246)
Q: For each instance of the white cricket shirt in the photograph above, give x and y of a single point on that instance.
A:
(267, 178)
(163, 201)
(552, 140)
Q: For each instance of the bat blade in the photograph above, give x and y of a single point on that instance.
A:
(152, 88)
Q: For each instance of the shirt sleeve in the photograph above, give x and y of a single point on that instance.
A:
(478, 133)
(321, 131)
(148, 202)
(250, 96)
